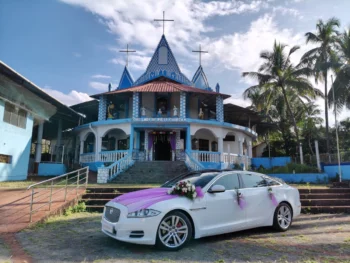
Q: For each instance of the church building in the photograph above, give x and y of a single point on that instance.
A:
(162, 116)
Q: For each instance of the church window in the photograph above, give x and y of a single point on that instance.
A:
(163, 56)
(214, 146)
(203, 145)
(15, 116)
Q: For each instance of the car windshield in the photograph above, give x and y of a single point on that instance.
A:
(198, 179)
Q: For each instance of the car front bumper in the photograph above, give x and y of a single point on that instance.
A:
(132, 230)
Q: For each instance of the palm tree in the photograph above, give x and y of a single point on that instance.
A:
(341, 84)
(322, 56)
(277, 75)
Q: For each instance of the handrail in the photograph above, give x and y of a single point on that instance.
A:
(192, 163)
(81, 175)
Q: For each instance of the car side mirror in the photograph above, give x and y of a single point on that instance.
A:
(216, 189)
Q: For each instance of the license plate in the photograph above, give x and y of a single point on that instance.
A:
(107, 227)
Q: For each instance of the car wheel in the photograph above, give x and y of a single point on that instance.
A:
(174, 231)
(283, 217)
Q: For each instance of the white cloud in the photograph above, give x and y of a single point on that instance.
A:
(135, 62)
(237, 99)
(286, 11)
(99, 76)
(99, 86)
(73, 97)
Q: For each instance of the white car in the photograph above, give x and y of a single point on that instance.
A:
(170, 224)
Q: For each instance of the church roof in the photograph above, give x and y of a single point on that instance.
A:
(163, 85)
(126, 81)
(163, 64)
(200, 79)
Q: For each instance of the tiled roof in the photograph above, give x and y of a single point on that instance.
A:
(163, 86)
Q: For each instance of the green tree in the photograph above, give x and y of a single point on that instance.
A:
(341, 85)
(277, 75)
(321, 57)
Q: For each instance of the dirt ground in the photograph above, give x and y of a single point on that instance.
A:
(77, 238)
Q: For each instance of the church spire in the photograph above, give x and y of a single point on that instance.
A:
(200, 51)
(127, 51)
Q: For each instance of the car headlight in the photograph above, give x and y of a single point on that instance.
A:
(143, 213)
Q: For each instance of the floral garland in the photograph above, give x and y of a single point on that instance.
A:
(186, 189)
(272, 196)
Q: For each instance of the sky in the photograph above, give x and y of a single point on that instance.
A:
(70, 48)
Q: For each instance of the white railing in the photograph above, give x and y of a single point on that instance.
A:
(203, 156)
(191, 163)
(112, 156)
(232, 158)
(105, 174)
(87, 158)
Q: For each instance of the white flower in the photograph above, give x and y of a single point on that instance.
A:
(184, 190)
(194, 195)
(177, 187)
(193, 187)
(169, 191)
(189, 188)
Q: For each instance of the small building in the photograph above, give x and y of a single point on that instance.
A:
(28, 116)
(162, 116)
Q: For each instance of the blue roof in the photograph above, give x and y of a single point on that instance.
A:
(163, 64)
(200, 79)
(126, 81)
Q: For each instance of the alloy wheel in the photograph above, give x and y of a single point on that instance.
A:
(173, 231)
(284, 216)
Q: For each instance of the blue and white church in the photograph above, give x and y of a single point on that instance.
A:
(162, 116)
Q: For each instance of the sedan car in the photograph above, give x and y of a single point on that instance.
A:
(171, 223)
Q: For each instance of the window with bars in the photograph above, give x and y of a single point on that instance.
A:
(15, 116)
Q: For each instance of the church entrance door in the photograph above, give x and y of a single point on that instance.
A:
(162, 147)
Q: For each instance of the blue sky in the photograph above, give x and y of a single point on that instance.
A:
(70, 48)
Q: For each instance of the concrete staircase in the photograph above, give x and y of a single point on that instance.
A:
(156, 172)
(332, 200)
(96, 197)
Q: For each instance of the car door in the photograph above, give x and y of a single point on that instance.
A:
(258, 204)
(223, 214)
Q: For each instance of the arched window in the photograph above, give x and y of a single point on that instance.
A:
(163, 56)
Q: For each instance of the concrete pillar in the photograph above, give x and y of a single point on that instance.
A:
(102, 108)
(82, 146)
(240, 146)
(317, 156)
(135, 105)
(38, 148)
(131, 139)
(221, 148)
(182, 105)
(250, 149)
(76, 153)
(98, 147)
(219, 108)
(188, 139)
(59, 141)
(301, 153)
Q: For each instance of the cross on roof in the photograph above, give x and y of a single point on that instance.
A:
(127, 51)
(200, 51)
(164, 20)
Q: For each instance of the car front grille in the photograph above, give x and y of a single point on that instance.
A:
(112, 214)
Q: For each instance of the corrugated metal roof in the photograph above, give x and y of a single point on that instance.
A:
(162, 86)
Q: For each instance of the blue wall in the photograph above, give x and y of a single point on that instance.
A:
(93, 166)
(332, 170)
(16, 142)
(268, 163)
(210, 165)
(303, 178)
(47, 169)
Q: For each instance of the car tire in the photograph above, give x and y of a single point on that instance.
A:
(174, 231)
(283, 217)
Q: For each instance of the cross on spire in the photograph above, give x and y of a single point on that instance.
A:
(200, 51)
(164, 20)
(127, 51)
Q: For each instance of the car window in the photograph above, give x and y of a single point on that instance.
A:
(253, 180)
(230, 181)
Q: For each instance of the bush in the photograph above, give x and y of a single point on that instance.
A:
(80, 207)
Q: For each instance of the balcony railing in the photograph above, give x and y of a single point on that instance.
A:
(204, 156)
(87, 158)
(112, 156)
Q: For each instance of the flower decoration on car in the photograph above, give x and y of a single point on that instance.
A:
(272, 196)
(186, 189)
(240, 199)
